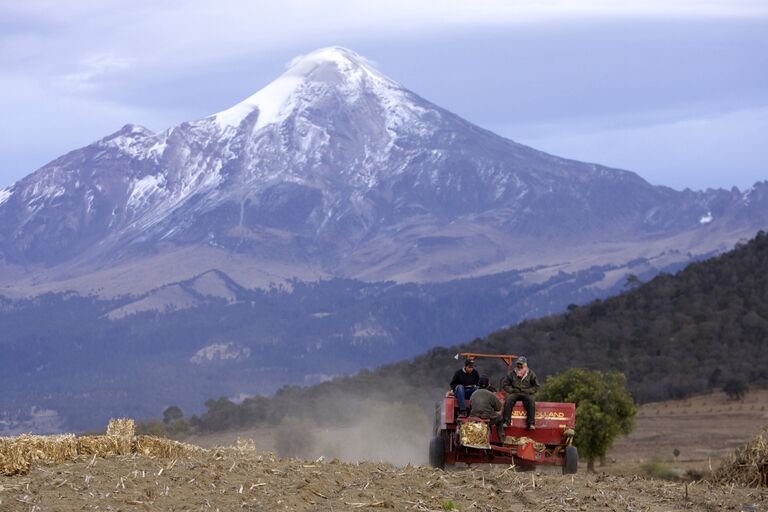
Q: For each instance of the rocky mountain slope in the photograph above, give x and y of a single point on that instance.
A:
(335, 170)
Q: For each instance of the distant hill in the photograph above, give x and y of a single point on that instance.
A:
(71, 362)
(674, 336)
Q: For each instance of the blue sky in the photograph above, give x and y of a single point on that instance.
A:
(676, 91)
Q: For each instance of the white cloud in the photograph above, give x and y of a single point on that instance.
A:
(92, 68)
(38, 126)
(76, 44)
(174, 32)
(720, 150)
(57, 56)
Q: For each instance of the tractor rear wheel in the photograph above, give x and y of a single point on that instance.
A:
(571, 460)
(437, 453)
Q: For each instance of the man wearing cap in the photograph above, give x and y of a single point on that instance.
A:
(486, 405)
(464, 383)
(520, 384)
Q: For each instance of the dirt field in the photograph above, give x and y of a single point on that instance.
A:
(703, 429)
(237, 482)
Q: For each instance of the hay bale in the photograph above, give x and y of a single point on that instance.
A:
(474, 434)
(747, 465)
(13, 460)
(165, 448)
(121, 427)
(17, 454)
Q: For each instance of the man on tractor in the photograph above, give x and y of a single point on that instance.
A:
(486, 405)
(464, 383)
(520, 384)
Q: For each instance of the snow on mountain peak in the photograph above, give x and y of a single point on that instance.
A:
(4, 195)
(336, 66)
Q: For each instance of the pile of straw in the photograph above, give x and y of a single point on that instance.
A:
(104, 445)
(474, 434)
(747, 465)
(18, 454)
(515, 441)
(165, 448)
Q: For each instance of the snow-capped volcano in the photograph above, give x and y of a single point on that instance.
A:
(335, 71)
(335, 169)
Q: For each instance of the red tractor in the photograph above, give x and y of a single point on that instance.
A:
(470, 440)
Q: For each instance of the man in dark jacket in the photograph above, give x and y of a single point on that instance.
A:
(464, 383)
(520, 384)
(486, 405)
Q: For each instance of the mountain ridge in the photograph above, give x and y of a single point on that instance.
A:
(335, 170)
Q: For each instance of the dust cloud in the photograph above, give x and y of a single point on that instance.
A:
(391, 432)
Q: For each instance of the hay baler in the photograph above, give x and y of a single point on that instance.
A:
(470, 440)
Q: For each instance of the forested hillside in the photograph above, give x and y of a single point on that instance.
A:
(674, 336)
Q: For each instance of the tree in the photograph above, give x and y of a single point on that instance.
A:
(735, 389)
(172, 414)
(632, 281)
(222, 414)
(604, 408)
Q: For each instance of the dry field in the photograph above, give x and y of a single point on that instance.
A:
(230, 480)
(704, 429)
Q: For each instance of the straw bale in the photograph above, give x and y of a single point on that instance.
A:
(122, 427)
(13, 459)
(474, 433)
(104, 445)
(17, 454)
(747, 465)
(165, 448)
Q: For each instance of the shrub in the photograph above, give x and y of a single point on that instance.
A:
(448, 505)
(655, 468)
(604, 408)
(735, 389)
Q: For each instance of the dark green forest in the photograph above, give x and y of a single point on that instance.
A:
(674, 336)
(66, 353)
